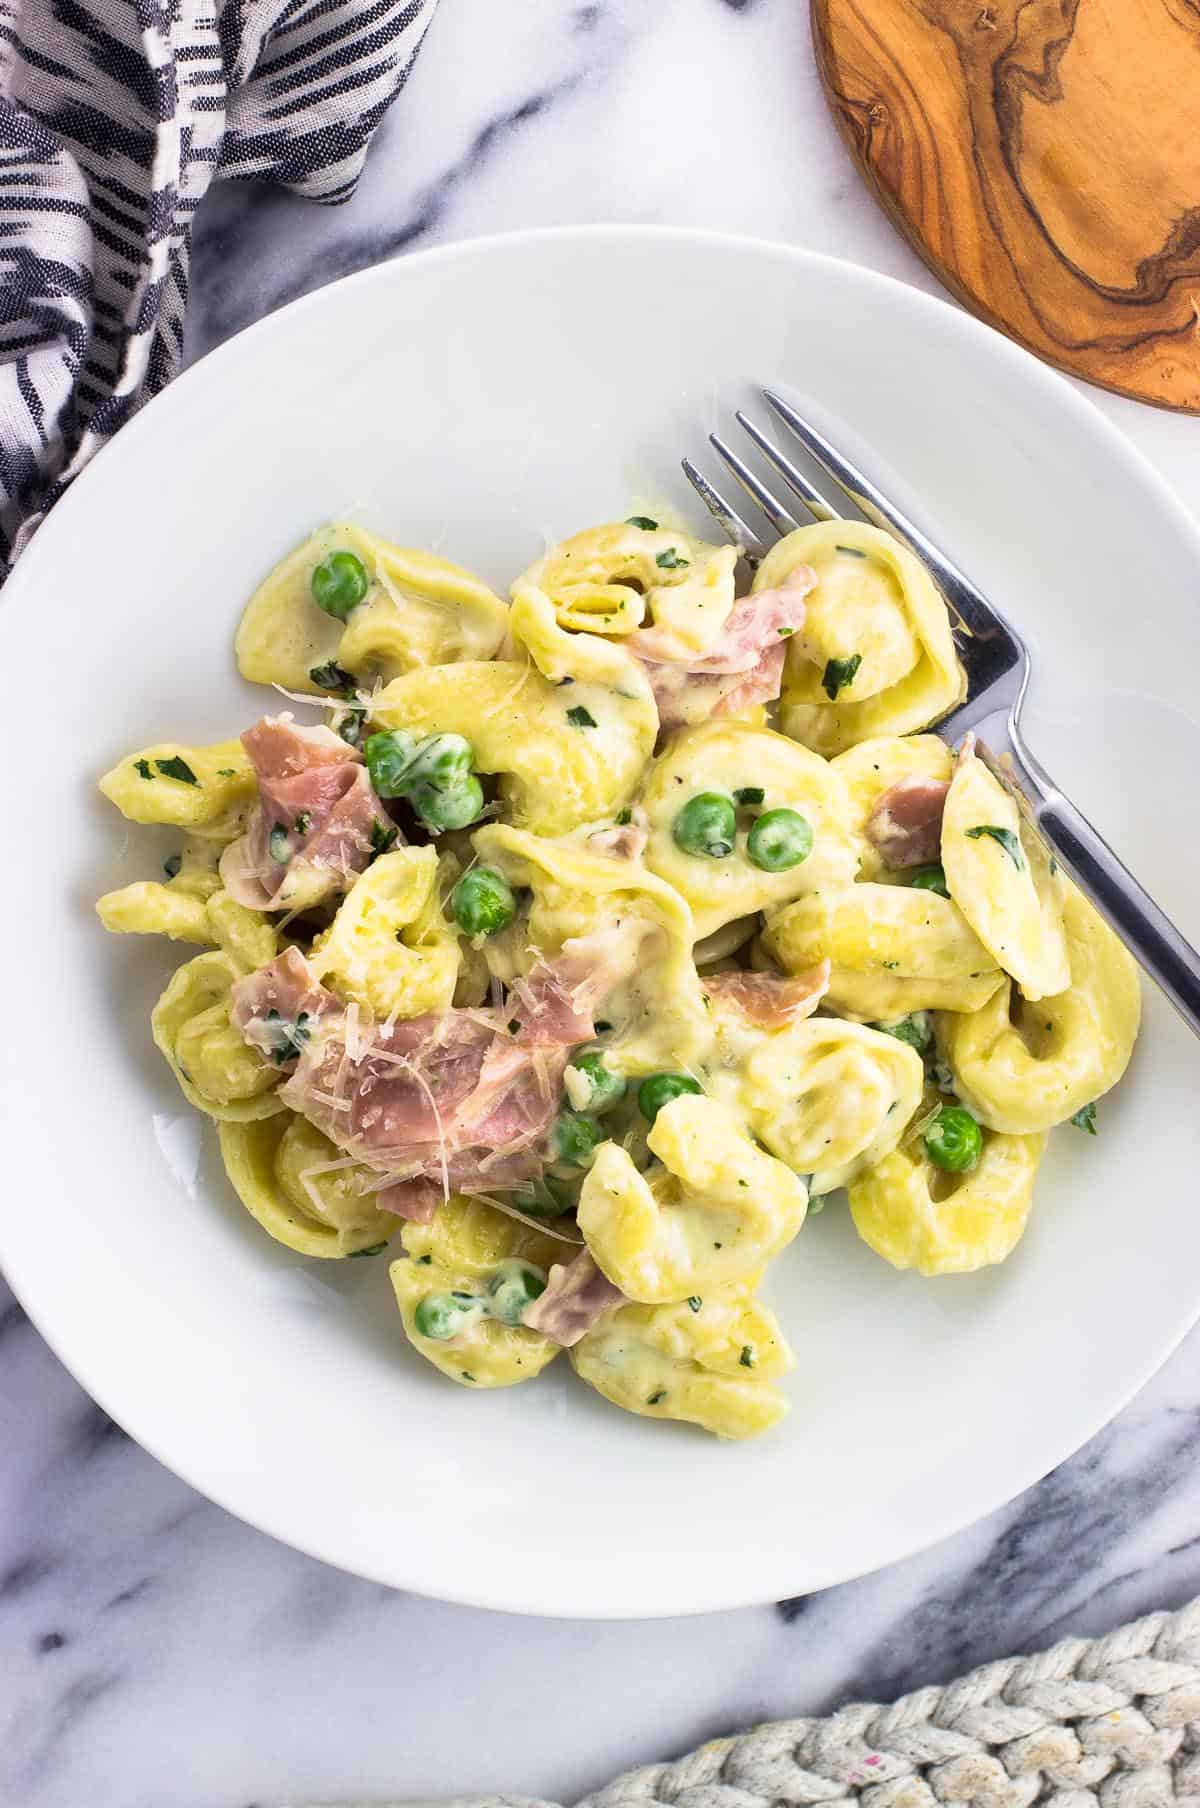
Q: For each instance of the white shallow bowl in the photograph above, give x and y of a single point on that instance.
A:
(476, 400)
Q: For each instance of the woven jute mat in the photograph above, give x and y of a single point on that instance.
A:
(1111, 1722)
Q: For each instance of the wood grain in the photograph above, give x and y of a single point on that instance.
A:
(1043, 156)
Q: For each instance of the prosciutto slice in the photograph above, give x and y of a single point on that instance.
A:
(459, 1098)
(905, 826)
(574, 1298)
(743, 667)
(317, 811)
(770, 1000)
(277, 1007)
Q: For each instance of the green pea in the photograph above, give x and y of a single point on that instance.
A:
(513, 1287)
(606, 1086)
(779, 839)
(916, 1030)
(483, 902)
(706, 825)
(443, 760)
(388, 758)
(441, 1316)
(660, 1089)
(575, 1138)
(339, 584)
(930, 878)
(453, 809)
(954, 1140)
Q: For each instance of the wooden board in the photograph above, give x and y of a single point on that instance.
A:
(1043, 156)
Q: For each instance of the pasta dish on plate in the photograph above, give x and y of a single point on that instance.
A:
(598, 937)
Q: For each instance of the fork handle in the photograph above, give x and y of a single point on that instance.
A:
(1146, 930)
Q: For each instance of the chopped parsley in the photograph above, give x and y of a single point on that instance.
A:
(838, 674)
(351, 725)
(749, 794)
(333, 677)
(382, 835)
(303, 822)
(643, 521)
(1085, 1118)
(747, 1357)
(372, 1251)
(172, 864)
(658, 1398)
(695, 1302)
(890, 965)
(466, 1374)
(1008, 841)
(226, 772)
(669, 560)
(579, 717)
(142, 767)
(514, 1025)
(425, 1261)
(784, 633)
(177, 768)
(623, 817)
(853, 551)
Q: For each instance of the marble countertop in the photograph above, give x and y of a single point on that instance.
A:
(157, 1653)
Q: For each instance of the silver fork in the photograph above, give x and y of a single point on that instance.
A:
(997, 666)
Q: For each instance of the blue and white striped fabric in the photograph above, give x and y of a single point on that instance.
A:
(115, 115)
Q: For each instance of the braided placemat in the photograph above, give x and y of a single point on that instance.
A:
(1111, 1722)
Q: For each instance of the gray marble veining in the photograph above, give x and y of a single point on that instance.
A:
(155, 1652)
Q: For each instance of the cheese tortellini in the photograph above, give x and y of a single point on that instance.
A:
(1024, 1067)
(725, 758)
(893, 949)
(631, 574)
(1003, 881)
(569, 732)
(876, 654)
(603, 936)
(709, 1361)
(716, 1210)
(462, 1288)
(917, 1215)
(417, 610)
(389, 947)
(299, 1187)
(216, 1068)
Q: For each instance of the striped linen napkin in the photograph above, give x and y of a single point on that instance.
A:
(115, 115)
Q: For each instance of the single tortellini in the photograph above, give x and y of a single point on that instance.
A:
(876, 654)
(657, 1012)
(247, 936)
(709, 1361)
(1002, 879)
(728, 758)
(828, 1098)
(302, 1190)
(637, 573)
(1023, 1067)
(873, 767)
(217, 1070)
(418, 610)
(716, 1210)
(893, 949)
(916, 1215)
(569, 733)
(205, 789)
(463, 1287)
(390, 947)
